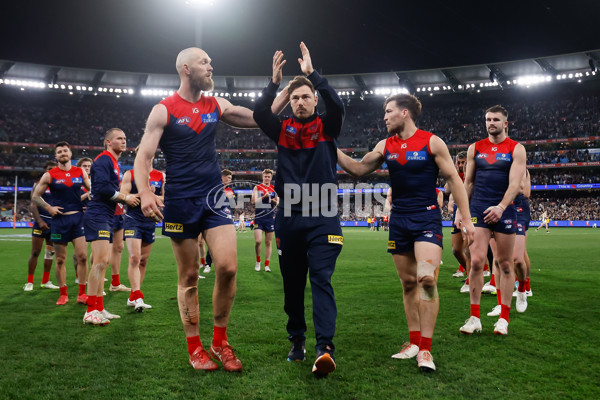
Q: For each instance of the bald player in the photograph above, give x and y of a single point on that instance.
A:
(184, 125)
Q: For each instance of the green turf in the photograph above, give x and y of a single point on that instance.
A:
(551, 350)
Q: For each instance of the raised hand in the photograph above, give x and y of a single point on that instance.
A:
(278, 63)
(305, 62)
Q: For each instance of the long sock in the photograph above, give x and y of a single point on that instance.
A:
(425, 344)
(99, 303)
(257, 259)
(521, 287)
(486, 267)
(29, 278)
(193, 343)
(498, 296)
(504, 312)
(461, 268)
(116, 280)
(219, 336)
(81, 289)
(267, 263)
(493, 280)
(467, 281)
(63, 291)
(91, 303)
(414, 337)
(45, 277)
(475, 310)
(202, 261)
(527, 285)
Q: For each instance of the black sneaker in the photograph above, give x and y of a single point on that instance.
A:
(298, 350)
(325, 363)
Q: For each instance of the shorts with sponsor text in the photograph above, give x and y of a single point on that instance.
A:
(36, 231)
(187, 218)
(134, 229)
(98, 227)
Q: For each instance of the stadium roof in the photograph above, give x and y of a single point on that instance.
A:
(567, 67)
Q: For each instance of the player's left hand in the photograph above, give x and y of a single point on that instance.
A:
(492, 214)
(305, 62)
(468, 231)
(278, 63)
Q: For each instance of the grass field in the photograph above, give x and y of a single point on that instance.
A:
(551, 350)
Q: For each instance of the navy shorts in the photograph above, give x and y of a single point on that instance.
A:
(117, 223)
(265, 225)
(507, 223)
(405, 230)
(66, 228)
(135, 229)
(97, 227)
(187, 218)
(36, 231)
(523, 217)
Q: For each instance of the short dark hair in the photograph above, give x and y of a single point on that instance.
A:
(50, 163)
(226, 172)
(62, 144)
(497, 109)
(461, 155)
(408, 101)
(82, 160)
(300, 81)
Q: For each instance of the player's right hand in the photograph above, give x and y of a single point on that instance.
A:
(43, 225)
(55, 210)
(150, 204)
(132, 200)
(278, 63)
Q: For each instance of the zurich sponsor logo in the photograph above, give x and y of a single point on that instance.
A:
(503, 157)
(393, 156)
(183, 121)
(482, 155)
(155, 184)
(291, 130)
(76, 180)
(209, 118)
(416, 156)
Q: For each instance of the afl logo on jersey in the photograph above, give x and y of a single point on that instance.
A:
(183, 121)
(482, 155)
(392, 157)
(208, 118)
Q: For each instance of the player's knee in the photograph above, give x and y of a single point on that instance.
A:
(477, 263)
(143, 262)
(505, 265)
(81, 258)
(226, 271)
(426, 279)
(409, 285)
(134, 259)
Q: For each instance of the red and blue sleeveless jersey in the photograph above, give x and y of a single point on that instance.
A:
(105, 178)
(65, 187)
(492, 169)
(264, 205)
(156, 181)
(413, 173)
(188, 143)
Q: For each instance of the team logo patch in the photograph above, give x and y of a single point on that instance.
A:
(60, 181)
(428, 234)
(416, 155)
(55, 236)
(291, 130)
(391, 245)
(508, 221)
(183, 121)
(130, 232)
(393, 156)
(336, 239)
(172, 227)
(209, 118)
(503, 157)
(104, 234)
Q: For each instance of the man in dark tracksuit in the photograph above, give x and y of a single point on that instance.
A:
(307, 228)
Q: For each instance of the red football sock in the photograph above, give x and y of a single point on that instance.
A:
(131, 296)
(425, 344)
(29, 278)
(467, 281)
(493, 280)
(521, 287)
(63, 290)
(414, 337)
(486, 267)
(219, 336)
(475, 310)
(527, 285)
(257, 258)
(81, 289)
(45, 277)
(99, 303)
(203, 261)
(267, 263)
(461, 268)
(116, 280)
(91, 303)
(498, 296)
(504, 312)
(136, 295)
(193, 343)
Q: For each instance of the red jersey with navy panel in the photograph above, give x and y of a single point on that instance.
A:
(188, 143)
(492, 170)
(413, 173)
(65, 187)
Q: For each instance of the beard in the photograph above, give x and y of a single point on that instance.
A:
(397, 129)
(495, 132)
(203, 83)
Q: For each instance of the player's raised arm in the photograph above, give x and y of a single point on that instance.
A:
(369, 163)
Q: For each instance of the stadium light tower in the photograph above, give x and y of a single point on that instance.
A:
(199, 8)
